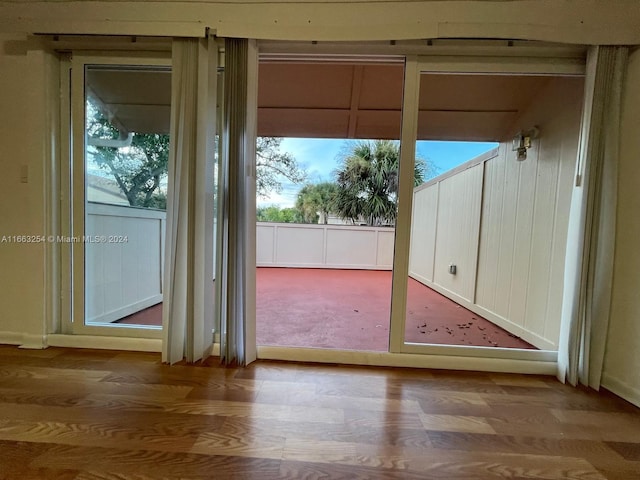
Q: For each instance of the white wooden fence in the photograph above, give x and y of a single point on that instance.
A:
(124, 262)
(502, 223)
(123, 270)
(324, 246)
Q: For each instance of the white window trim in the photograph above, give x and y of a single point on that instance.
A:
(73, 193)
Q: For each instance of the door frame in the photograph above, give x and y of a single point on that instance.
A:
(468, 56)
(416, 66)
(73, 171)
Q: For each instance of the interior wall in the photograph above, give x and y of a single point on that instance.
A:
(577, 21)
(622, 356)
(23, 153)
(506, 232)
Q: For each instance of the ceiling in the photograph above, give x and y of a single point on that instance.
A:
(364, 101)
(135, 99)
(334, 100)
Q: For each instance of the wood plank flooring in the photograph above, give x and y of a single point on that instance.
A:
(89, 414)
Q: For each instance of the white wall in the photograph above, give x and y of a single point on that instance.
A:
(576, 21)
(525, 216)
(460, 198)
(445, 228)
(124, 269)
(508, 219)
(23, 150)
(622, 356)
(324, 246)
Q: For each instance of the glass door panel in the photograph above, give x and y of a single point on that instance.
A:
(120, 180)
(327, 182)
(485, 226)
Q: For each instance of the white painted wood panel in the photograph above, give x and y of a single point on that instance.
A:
(423, 232)
(523, 227)
(524, 219)
(324, 246)
(492, 211)
(123, 270)
(385, 248)
(265, 244)
(542, 234)
(458, 224)
(299, 246)
(343, 248)
(506, 226)
(566, 173)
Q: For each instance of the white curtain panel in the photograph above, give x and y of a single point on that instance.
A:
(592, 222)
(236, 223)
(187, 312)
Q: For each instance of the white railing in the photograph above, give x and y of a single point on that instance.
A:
(324, 246)
(124, 262)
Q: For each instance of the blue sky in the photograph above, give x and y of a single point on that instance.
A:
(320, 157)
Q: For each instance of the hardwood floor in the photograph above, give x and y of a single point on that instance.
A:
(88, 414)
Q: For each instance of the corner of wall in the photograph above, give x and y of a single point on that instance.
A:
(24, 340)
(23, 133)
(622, 389)
(622, 355)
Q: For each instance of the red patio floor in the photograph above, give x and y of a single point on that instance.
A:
(350, 309)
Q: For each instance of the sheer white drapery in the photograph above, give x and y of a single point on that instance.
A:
(187, 313)
(236, 215)
(592, 222)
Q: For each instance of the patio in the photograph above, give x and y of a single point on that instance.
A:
(350, 309)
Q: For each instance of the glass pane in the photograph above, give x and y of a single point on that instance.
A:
(127, 114)
(487, 224)
(327, 202)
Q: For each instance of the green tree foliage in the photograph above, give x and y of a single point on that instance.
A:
(368, 182)
(314, 199)
(138, 169)
(273, 213)
(274, 166)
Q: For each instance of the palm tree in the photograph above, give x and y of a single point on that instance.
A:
(368, 182)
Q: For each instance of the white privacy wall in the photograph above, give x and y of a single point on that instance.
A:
(122, 277)
(324, 246)
(503, 223)
(445, 225)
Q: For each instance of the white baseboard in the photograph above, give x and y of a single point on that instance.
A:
(35, 342)
(106, 343)
(383, 359)
(620, 388)
(11, 338)
(24, 340)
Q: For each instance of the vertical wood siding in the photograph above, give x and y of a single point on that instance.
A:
(124, 269)
(503, 223)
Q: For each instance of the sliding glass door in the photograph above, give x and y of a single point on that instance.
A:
(480, 244)
(120, 130)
